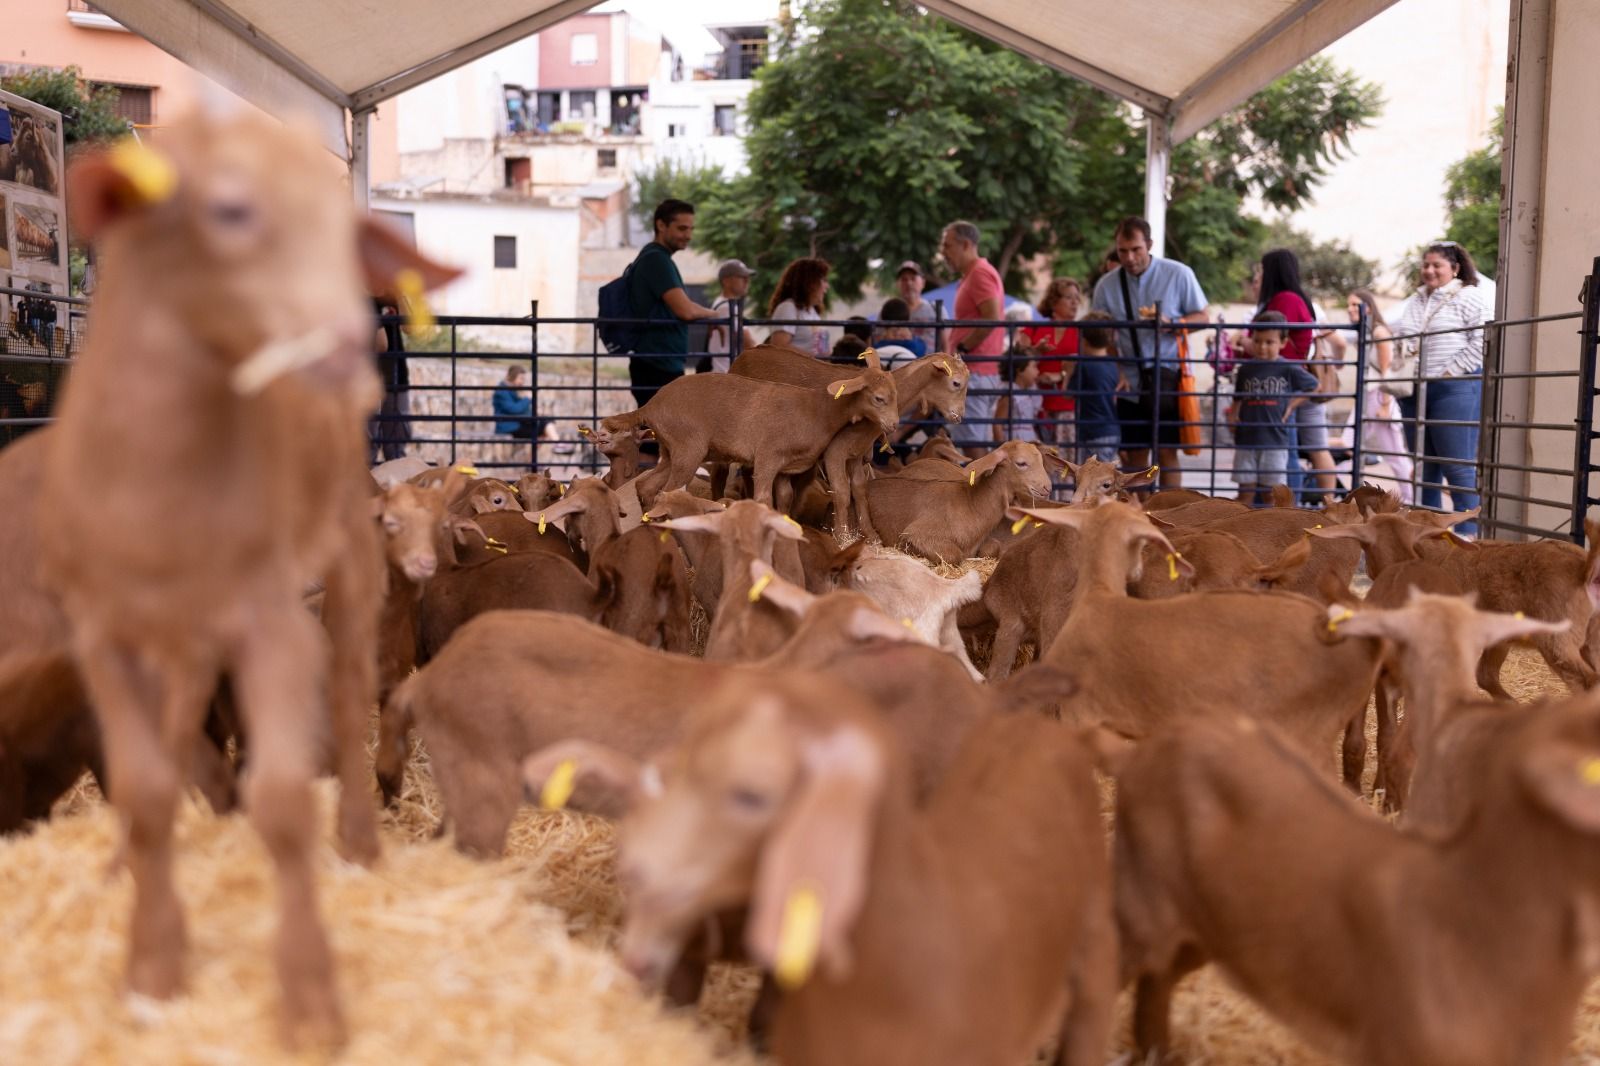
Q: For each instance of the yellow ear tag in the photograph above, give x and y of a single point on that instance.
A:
(645, 518)
(514, 490)
(152, 175)
(470, 471)
(558, 786)
(585, 431)
(1343, 616)
(501, 548)
(908, 623)
(1017, 526)
(1153, 471)
(799, 938)
(884, 447)
(491, 542)
(1172, 566)
(759, 587)
(792, 522)
(1519, 616)
(942, 365)
(541, 523)
(972, 477)
(561, 486)
(409, 284)
(1038, 525)
(665, 536)
(1589, 770)
(840, 393)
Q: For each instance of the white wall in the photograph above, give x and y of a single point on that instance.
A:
(462, 232)
(1442, 67)
(692, 106)
(467, 102)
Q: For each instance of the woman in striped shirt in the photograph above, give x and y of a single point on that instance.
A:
(1451, 395)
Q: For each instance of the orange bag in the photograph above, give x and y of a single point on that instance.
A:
(1188, 401)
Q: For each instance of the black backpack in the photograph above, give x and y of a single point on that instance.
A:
(617, 337)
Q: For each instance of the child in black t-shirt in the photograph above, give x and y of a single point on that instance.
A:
(1267, 390)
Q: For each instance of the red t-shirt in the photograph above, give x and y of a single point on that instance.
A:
(1296, 342)
(1067, 345)
(981, 283)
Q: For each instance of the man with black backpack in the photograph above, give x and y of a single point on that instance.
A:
(654, 290)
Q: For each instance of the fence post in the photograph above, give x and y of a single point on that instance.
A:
(1363, 339)
(453, 359)
(938, 330)
(1489, 431)
(1589, 342)
(735, 329)
(533, 372)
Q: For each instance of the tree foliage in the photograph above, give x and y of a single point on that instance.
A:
(87, 117)
(695, 181)
(1329, 270)
(877, 123)
(1472, 199)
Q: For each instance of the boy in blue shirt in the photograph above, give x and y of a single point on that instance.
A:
(1266, 390)
(1094, 380)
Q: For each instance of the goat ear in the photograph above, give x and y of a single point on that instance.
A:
(107, 186)
(545, 782)
(1498, 628)
(1142, 477)
(1111, 750)
(460, 527)
(765, 584)
(386, 256)
(811, 879)
(983, 465)
(1056, 459)
(1359, 532)
(452, 485)
(840, 389)
(1282, 496)
(870, 623)
(785, 527)
(1385, 624)
(1075, 517)
(1290, 560)
(870, 357)
(1564, 779)
(846, 557)
(710, 522)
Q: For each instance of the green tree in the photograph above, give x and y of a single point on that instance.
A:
(1329, 270)
(1472, 199)
(696, 182)
(88, 117)
(877, 123)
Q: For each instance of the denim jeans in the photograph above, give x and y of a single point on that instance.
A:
(1452, 400)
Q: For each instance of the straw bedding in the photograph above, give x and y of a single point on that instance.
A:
(441, 959)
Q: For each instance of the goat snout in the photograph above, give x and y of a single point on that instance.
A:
(420, 566)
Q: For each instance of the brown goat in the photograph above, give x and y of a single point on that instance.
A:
(1146, 663)
(947, 520)
(936, 382)
(517, 681)
(509, 532)
(223, 397)
(1438, 641)
(1009, 851)
(1380, 948)
(743, 626)
(526, 581)
(1547, 579)
(1271, 531)
(774, 429)
(644, 567)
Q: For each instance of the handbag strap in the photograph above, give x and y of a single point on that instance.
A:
(1127, 302)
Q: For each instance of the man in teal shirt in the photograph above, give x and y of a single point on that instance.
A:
(655, 291)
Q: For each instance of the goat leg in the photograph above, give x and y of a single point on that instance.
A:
(1092, 990)
(350, 613)
(279, 678)
(1489, 672)
(146, 781)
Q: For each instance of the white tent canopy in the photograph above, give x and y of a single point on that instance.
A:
(1184, 63)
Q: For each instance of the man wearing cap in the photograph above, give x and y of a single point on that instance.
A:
(734, 277)
(909, 280)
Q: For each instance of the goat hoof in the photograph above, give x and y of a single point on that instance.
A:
(313, 1022)
(156, 975)
(358, 837)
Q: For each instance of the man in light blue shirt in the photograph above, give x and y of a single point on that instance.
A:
(1145, 286)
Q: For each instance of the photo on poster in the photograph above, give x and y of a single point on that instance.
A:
(38, 233)
(33, 158)
(5, 227)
